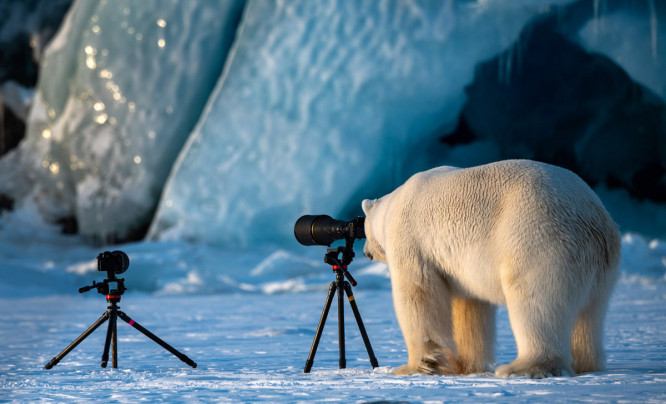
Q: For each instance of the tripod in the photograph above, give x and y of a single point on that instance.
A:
(341, 286)
(112, 314)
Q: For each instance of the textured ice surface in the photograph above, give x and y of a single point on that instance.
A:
(323, 104)
(122, 85)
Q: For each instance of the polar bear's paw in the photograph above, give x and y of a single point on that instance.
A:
(404, 370)
(436, 363)
(531, 370)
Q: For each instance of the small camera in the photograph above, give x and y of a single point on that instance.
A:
(323, 229)
(113, 262)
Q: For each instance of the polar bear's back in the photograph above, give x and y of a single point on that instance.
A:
(515, 190)
(497, 188)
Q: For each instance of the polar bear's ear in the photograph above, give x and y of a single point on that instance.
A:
(367, 205)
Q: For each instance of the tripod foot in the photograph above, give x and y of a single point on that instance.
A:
(51, 364)
(308, 365)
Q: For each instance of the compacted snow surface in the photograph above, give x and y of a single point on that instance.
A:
(251, 344)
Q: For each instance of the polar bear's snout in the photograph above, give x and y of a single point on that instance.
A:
(372, 250)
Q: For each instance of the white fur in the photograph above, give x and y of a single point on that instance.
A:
(531, 236)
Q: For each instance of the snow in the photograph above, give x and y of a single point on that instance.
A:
(247, 318)
(252, 347)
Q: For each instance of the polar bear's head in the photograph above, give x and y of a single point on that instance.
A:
(373, 246)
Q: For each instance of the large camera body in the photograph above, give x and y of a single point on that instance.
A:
(113, 262)
(323, 229)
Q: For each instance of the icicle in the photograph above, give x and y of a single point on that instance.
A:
(653, 28)
(596, 19)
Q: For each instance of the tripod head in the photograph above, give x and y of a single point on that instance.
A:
(339, 264)
(113, 263)
(104, 288)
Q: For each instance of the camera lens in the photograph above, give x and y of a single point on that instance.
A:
(307, 226)
(323, 229)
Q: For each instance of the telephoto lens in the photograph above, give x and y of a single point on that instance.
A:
(324, 230)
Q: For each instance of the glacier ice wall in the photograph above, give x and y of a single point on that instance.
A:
(320, 105)
(121, 87)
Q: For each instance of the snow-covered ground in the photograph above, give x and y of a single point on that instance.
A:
(252, 347)
(249, 321)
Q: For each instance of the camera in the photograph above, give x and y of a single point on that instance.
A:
(113, 262)
(323, 229)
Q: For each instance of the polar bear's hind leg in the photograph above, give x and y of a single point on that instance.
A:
(542, 306)
(474, 334)
(587, 337)
(542, 339)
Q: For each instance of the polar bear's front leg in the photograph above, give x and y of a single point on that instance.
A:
(423, 307)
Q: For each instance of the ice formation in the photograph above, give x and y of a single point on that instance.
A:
(314, 106)
(323, 104)
(122, 84)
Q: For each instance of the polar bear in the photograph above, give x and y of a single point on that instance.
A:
(528, 235)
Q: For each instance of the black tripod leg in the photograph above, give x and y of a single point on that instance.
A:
(107, 341)
(114, 341)
(341, 325)
(320, 329)
(155, 338)
(77, 341)
(361, 327)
